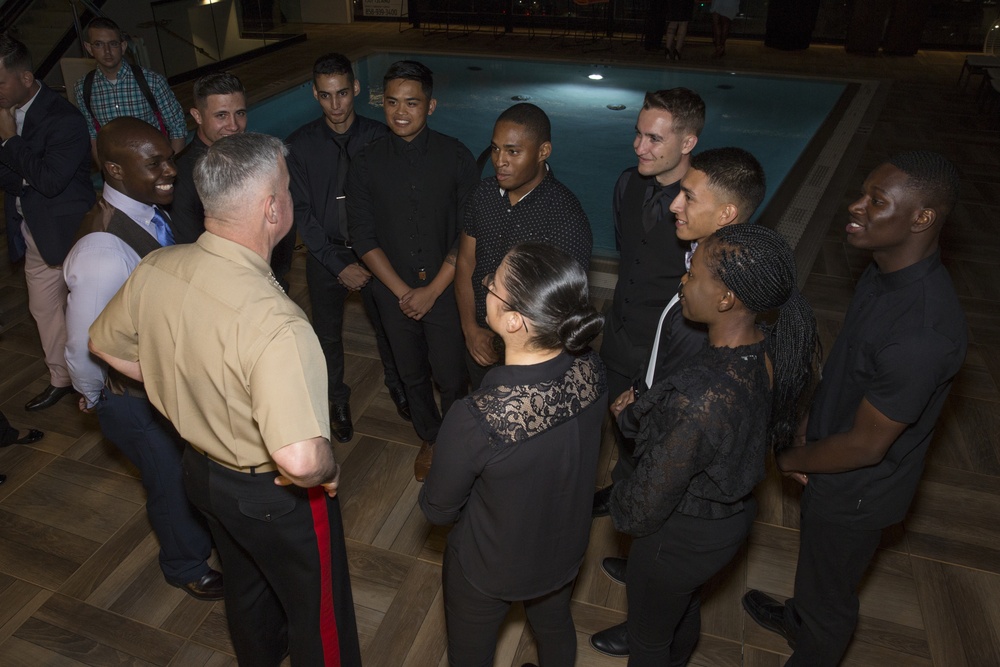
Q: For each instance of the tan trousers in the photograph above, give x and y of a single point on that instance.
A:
(47, 303)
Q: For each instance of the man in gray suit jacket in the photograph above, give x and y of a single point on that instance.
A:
(45, 173)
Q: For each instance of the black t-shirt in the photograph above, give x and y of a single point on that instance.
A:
(904, 338)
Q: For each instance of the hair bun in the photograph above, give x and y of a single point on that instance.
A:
(580, 328)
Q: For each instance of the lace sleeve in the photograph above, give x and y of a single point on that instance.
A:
(677, 440)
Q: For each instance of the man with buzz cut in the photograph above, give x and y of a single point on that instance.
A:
(406, 194)
(116, 88)
(319, 159)
(884, 385)
(45, 176)
(722, 186)
(234, 364)
(523, 202)
(652, 258)
(126, 225)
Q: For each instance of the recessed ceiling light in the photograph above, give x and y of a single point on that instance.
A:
(595, 77)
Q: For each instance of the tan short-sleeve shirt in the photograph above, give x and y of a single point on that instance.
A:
(225, 354)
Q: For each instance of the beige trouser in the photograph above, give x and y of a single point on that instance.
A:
(47, 302)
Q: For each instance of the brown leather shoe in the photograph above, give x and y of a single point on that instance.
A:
(422, 464)
(208, 588)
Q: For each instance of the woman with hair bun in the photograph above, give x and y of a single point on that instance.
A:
(704, 434)
(516, 462)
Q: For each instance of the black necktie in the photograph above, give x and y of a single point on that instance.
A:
(343, 162)
(651, 211)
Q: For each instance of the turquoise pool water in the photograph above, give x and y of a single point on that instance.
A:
(773, 118)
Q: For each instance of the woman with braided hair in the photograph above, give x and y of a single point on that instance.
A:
(516, 462)
(704, 434)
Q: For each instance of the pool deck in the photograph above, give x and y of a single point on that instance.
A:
(78, 566)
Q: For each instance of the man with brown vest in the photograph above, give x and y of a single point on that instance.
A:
(125, 226)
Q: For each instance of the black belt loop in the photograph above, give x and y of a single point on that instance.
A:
(253, 471)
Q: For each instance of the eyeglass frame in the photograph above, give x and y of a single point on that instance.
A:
(489, 280)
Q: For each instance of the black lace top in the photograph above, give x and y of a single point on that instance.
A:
(702, 441)
(514, 468)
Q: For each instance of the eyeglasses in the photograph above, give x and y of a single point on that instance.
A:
(489, 280)
(113, 44)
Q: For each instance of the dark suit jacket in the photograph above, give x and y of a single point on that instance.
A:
(53, 156)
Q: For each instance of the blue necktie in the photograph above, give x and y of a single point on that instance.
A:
(163, 233)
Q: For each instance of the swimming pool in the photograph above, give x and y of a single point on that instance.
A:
(773, 118)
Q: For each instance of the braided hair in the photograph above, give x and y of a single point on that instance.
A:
(757, 265)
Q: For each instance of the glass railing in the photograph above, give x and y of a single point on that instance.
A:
(196, 34)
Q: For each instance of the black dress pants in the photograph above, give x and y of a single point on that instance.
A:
(327, 297)
(473, 620)
(286, 580)
(666, 571)
(427, 351)
(824, 611)
(152, 444)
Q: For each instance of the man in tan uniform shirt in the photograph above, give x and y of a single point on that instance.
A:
(235, 365)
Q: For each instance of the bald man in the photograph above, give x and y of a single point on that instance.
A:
(122, 228)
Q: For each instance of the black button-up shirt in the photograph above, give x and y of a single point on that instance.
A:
(407, 197)
(903, 340)
(312, 164)
(187, 215)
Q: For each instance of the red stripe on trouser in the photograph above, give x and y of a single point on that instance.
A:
(327, 617)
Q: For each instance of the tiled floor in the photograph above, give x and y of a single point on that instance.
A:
(79, 583)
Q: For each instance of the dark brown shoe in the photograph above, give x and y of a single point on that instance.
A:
(47, 398)
(208, 588)
(422, 464)
(341, 427)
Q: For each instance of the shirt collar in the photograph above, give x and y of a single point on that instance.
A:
(123, 70)
(234, 252)
(910, 274)
(544, 181)
(24, 107)
(136, 210)
(418, 143)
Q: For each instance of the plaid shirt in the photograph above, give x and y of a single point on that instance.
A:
(125, 98)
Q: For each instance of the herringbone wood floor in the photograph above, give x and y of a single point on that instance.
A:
(79, 583)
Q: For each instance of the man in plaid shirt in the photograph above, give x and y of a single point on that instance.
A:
(117, 93)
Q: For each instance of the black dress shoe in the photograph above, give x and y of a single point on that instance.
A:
(398, 396)
(47, 398)
(768, 613)
(34, 435)
(602, 500)
(613, 641)
(207, 589)
(340, 422)
(3, 478)
(615, 568)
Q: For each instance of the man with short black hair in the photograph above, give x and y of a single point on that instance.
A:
(45, 175)
(406, 196)
(862, 450)
(523, 202)
(220, 109)
(116, 88)
(319, 159)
